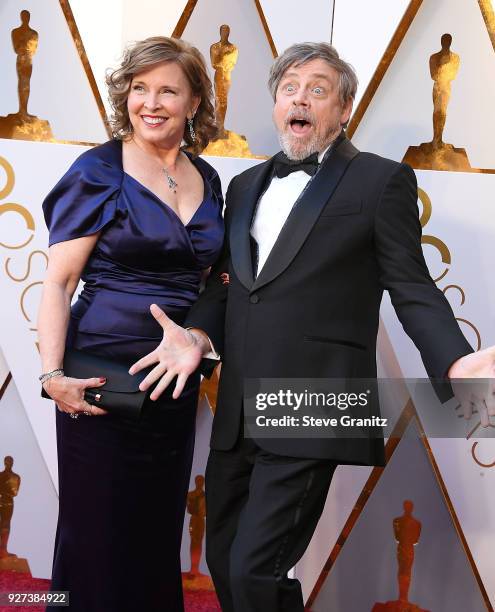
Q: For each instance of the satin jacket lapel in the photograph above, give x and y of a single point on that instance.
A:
(305, 214)
(242, 215)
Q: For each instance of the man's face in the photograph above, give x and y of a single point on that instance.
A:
(308, 113)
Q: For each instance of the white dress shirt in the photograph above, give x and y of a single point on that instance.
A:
(274, 207)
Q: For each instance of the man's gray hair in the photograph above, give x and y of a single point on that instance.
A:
(301, 53)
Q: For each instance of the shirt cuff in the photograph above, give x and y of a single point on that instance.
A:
(212, 354)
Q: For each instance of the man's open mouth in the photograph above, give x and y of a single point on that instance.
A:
(300, 126)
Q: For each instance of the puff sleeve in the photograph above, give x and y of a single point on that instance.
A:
(84, 201)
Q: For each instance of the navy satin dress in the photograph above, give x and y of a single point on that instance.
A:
(123, 484)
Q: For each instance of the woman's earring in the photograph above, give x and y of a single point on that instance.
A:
(191, 129)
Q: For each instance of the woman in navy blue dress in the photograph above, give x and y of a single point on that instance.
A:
(138, 220)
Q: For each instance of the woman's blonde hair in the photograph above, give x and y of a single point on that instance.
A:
(147, 53)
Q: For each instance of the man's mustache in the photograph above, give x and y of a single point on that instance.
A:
(301, 115)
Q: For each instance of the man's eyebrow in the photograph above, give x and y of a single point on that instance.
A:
(320, 75)
(315, 75)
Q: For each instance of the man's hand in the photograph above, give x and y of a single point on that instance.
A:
(473, 382)
(178, 354)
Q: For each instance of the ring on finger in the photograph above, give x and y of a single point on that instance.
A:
(73, 415)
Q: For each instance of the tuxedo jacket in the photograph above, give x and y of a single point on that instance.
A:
(313, 310)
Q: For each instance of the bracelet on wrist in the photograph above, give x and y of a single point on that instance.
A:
(44, 377)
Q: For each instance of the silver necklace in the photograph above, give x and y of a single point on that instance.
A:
(171, 182)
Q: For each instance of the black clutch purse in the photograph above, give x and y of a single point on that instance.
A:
(120, 395)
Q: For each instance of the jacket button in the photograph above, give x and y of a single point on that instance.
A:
(254, 299)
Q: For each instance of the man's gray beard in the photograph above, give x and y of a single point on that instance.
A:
(297, 152)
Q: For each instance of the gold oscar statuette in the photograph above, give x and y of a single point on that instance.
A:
(22, 125)
(407, 531)
(196, 507)
(223, 55)
(9, 487)
(209, 388)
(438, 155)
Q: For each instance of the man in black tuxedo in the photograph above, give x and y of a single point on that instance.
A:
(313, 237)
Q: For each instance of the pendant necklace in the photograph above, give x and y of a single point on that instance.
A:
(172, 183)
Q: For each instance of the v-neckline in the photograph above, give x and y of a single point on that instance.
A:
(159, 199)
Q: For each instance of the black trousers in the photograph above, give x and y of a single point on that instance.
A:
(261, 511)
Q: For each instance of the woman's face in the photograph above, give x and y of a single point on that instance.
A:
(159, 103)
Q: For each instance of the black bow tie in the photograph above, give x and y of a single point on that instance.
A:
(283, 166)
